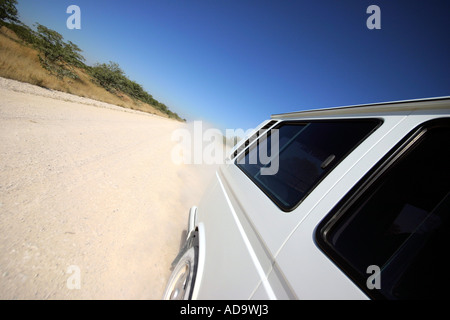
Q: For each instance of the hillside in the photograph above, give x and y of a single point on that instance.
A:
(21, 60)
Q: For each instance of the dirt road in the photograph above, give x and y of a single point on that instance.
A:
(91, 205)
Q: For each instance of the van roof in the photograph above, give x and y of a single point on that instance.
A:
(377, 108)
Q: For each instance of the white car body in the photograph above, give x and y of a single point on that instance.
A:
(248, 248)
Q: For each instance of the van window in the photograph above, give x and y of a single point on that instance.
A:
(398, 222)
(301, 154)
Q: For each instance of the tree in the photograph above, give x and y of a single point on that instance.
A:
(111, 77)
(72, 55)
(56, 55)
(23, 32)
(50, 44)
(108, 75)
(8, 11)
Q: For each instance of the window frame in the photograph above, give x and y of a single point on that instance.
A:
(341, 210)
(265, 135)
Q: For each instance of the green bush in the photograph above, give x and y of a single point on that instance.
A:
(112, 78)
(8, 11)
(55, 55)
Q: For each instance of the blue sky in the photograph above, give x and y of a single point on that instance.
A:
(233, 63)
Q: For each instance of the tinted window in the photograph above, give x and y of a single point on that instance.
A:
(400, 223)
(304, 154)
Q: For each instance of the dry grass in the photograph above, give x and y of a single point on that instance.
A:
(20, 62)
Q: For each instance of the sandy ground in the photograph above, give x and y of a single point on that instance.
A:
(89, 195)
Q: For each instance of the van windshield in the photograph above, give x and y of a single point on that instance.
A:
(288, 161)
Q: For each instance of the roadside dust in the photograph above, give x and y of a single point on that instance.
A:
(91, 187)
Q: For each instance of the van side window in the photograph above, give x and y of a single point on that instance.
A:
(306, 152)
(398, 221)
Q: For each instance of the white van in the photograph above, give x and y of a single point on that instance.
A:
(356, 206)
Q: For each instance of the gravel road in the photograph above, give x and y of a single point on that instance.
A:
(91, 204)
